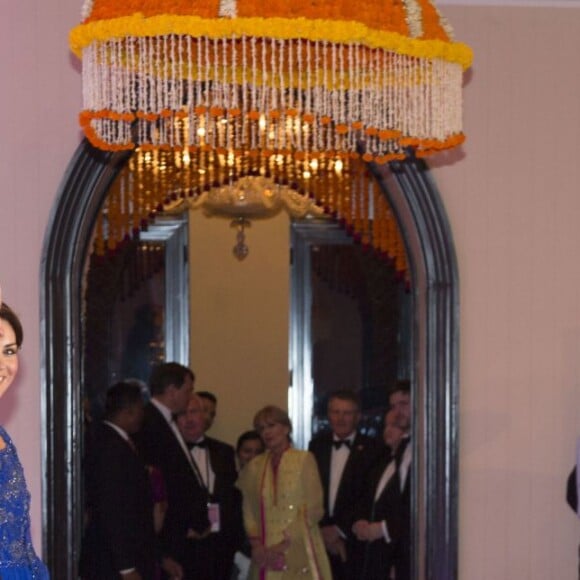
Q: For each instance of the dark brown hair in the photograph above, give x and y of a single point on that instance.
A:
(7, 314)
(166, 374)
(346, 395)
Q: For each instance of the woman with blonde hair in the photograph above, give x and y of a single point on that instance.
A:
(282, 504)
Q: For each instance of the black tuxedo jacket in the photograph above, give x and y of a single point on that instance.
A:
(374, 559)
(120, 532)
(223, 464)
(212, 557)
(187, 498)
(402, 552)
(363, 454)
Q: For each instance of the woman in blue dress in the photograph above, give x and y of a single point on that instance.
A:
(18, 560)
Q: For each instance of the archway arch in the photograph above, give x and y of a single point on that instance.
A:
(423, 222)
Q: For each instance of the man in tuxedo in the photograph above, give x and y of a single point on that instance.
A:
(119, 541)
(344, 457)
(380, 512)
(209, 553)
(209, 401)
(400, 405)
(162, 446)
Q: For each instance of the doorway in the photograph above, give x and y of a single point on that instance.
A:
(434, 366)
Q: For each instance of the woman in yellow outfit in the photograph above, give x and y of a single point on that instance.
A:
(283, 503)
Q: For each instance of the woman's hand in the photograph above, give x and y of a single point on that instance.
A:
(271, 557)
(276, 554)
(259, 556)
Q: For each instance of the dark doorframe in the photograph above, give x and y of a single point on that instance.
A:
(422, 219)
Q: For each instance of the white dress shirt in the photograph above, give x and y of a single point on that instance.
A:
(338, 459)
(202, 460)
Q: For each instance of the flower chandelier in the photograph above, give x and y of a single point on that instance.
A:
(296, 91)
(309, 78)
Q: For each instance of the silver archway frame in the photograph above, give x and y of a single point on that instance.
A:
(421, 216)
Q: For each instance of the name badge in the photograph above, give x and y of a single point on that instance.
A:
(213, 515)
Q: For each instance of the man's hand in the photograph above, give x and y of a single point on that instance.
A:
(193, 535)
(134, 575)
(172, 568)
(333, 541)
(367, 531)
(330, 535)
(359, 529)
(375, 531)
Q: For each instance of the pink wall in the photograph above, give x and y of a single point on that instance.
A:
(39, 100)
(514, 206)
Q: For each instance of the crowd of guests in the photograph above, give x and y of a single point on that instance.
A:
(167, 501)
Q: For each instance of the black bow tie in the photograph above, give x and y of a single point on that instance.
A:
(201, 444)
(338, 444)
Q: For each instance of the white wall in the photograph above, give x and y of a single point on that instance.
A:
(514, 205)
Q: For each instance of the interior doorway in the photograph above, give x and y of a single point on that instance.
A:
(349, 326)
(136, 309)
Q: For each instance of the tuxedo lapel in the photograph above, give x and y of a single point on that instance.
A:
(214, 458)
(351, 463)
(325, 458)
(392, 485)
(161, 445)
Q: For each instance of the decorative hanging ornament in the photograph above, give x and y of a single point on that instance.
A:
(305, 79)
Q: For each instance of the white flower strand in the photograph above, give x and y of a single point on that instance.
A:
(348, 84)
(228, 9)
(87, 9)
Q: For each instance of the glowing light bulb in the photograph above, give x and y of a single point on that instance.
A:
(338, 165)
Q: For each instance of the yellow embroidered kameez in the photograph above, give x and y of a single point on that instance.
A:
(287, 501)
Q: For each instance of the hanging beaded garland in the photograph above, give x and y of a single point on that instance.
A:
(300, 77)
